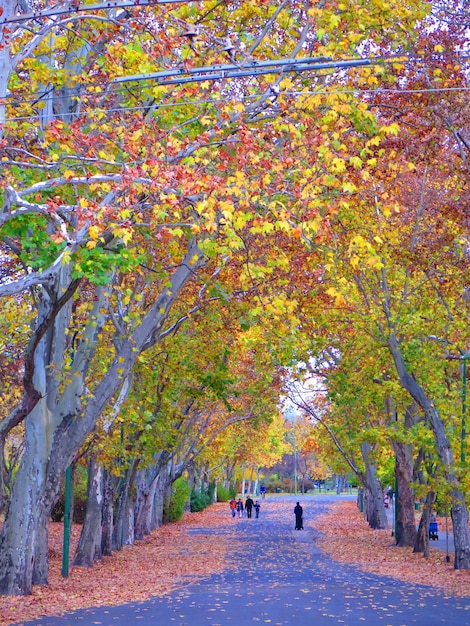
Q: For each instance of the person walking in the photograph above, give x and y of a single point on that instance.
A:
(233, 506)
(257, 507)
(249, 506)
(240, 508)
(299, 512)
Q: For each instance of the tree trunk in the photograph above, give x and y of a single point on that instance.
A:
(20, 534)
(158, 501)
(3, 493)
(89, 544)
(167, 489)
(340, 482)
(191, 470)
(20, 531)
(405, 517)
(243, 479)
(374, 502)
(109, 488)
(422, 536)
(256, 487)
(146, 483)
(122, 510)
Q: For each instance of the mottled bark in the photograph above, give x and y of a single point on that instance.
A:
(374, 502)
(124, 505)
(110, 484)
(157, 519)
(146, 484)
(422, 536)
(89, 544)
(405, 517)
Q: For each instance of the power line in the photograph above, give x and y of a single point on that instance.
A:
(79, 8)
(327, 92)
(258, 68)
(253, 68)
(212, 73)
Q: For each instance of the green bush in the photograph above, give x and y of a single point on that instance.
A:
(80, 497)
(223, 495)
(199, 501)
(232, 492)
(179, 497)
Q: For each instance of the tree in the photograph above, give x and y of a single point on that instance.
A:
(134, 191)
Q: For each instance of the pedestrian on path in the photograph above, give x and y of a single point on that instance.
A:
(240, 507)
(233, 506)
(299, 512)
(257, 507)
(249, 506)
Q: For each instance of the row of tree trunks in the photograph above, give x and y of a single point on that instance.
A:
(102, 531)
(459, 512)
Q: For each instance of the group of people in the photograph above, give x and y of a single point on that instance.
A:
(236, 506)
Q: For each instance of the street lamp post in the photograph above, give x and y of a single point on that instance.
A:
(464, 356)
(464, 405)
(295, 468)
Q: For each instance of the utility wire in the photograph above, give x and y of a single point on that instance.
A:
(212, 73)
(78, 8)
(203, 103)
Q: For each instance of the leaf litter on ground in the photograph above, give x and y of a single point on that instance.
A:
(347, 538)
(170, 557)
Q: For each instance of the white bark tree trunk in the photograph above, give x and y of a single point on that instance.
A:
(375, 509)
(243, 479)
(89, 545)
(146, 483)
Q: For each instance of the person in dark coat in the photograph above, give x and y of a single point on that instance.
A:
(299, 522)
(249, 506)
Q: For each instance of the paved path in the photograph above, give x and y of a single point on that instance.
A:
(283, 580)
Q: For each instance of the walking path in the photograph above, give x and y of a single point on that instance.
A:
(278, 576)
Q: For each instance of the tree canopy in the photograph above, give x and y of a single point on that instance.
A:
(197, 196)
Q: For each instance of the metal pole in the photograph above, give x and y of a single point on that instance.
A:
(295, 467)
(67, 521)
(395, 508)
(68, 496)
(447, 539)
(464, 408)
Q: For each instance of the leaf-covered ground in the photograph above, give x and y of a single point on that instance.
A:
(347, 538)
(171, 557)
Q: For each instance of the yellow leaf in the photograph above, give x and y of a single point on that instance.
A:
(94, 232)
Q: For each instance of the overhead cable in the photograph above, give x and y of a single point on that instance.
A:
(78, 8)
